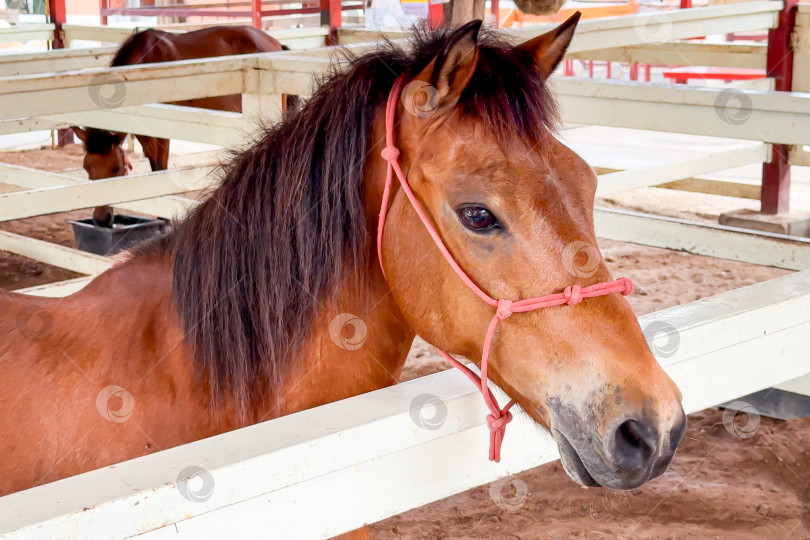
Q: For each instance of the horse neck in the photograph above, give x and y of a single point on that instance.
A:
(358, 343)
(337, 360)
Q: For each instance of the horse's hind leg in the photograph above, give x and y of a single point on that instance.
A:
(156, 151)
(358, 534)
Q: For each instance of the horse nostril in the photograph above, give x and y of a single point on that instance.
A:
(634, 445)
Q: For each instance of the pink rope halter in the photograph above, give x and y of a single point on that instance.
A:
(573, 294)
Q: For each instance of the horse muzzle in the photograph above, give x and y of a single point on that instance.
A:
(630, 453)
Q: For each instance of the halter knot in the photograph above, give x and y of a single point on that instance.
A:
(573, 295)
(390, 153)
(504, 309)
(628, 285)
(495, 423)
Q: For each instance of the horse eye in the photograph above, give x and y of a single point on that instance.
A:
(477, 218)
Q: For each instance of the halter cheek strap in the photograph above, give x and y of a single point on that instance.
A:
(573, 294)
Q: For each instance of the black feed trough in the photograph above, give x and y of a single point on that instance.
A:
(125, 233)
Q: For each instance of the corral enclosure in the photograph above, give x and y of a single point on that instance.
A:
(729, 345)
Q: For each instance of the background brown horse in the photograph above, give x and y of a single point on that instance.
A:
(105, 158)
(225, 323)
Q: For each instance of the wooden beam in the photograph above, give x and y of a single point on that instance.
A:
(112, 191)
(39, 95)
(682, 53)
(27, 32)
(701, 185)
(714, 187)
(58, 289)
(55, 60)
(111, 91)
(295, 38)
(54, 254)
(220, 128)
(25, 125)
(658, 27)
(776, 117)
(666, 172)
(711, 240)
(104, 34)
(166, 207)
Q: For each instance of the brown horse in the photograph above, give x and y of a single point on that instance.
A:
(224, 323)
(105, 158)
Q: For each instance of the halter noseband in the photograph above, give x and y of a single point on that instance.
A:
(573, 294)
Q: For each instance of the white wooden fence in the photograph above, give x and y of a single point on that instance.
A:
(328, 470)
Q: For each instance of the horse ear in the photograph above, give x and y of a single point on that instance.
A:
(548, 49)
(451, 71)
(80, 133)
(120, 138)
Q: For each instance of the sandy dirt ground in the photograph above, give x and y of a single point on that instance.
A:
(18, 272)
(719, 485)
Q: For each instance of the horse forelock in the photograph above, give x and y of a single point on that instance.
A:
(100, 141)
(253, 262)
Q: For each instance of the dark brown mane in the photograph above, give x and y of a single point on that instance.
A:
(288, 219)
(136, 44)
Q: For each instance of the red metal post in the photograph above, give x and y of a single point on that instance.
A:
(568, 67)
(775, 197)
(256, 13)
(103, 5)
(435, 14)
(57, 15)
(332, 15)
